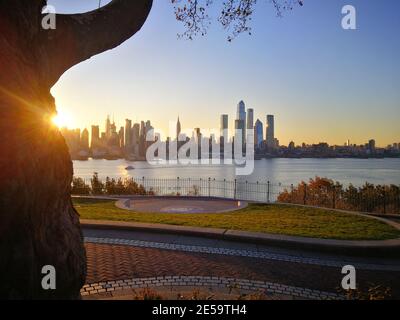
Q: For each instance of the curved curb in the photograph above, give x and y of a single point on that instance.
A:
(200, 281)
(367, 248)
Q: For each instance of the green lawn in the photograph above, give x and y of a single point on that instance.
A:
(278, 219)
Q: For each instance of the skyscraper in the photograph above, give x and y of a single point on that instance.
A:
(148, 126)
(224, 122)
(197, 134)
(250, 119)
(270, 131)
(85, 140)
(372, 145)
(135, 136)
(142, 129)
(149, 135)
(240, 132)
(108, 127)
(128, 135)
(241, 112)
(113, 129)
(224, 134)
(178, 129)
(198, 140)
(95, 137)
(258, 134)
(224, 125)
(121, 135)
(142, 139)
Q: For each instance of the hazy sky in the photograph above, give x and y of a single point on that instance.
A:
(321, 82)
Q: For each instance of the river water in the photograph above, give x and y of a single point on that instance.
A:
(284, 171)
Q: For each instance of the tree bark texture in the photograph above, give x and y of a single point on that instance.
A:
(38, 224)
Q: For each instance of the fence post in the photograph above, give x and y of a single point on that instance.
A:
(305, 194)
(224, 188)
(384, 200)
(177, 186)
(209, 187)
(291, 193)
(334, 198)
(234, 191)
(398, 200)
(268, 190)
(214, 188)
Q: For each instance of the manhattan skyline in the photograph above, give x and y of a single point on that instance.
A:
(265, 123)
(132, 140)
(323, 83)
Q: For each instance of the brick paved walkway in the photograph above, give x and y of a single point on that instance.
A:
(257, 252)
(119, 262)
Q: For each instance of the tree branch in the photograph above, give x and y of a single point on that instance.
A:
(235, 15)
(81, 36)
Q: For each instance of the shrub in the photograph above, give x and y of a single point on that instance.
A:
(79, 187)
(97, 185)
(323, 192)
(111, 187)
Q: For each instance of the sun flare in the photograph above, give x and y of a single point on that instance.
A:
(62, 120)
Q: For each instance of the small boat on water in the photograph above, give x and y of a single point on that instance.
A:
(129, 168)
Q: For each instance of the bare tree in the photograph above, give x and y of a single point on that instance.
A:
(235, 15)
(38, 224)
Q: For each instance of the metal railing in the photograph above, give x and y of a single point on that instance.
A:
(239, 190)
(369, 198)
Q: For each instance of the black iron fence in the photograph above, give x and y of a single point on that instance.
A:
(240, 190)
(319, 192)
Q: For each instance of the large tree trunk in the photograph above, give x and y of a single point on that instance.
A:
(38, 224)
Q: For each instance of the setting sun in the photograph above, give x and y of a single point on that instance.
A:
(62, 120)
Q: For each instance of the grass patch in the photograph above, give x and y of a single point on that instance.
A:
(278, 219)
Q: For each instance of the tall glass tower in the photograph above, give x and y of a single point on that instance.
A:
(258, 134)
(250, 119)
(270, 131)
(241, 112)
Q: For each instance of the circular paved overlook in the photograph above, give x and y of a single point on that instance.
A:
(181, 205)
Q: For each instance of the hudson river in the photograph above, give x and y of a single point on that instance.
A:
(285, 171)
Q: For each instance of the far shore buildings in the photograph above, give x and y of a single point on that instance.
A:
(129, 142)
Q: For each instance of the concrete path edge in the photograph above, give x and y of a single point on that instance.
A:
(368, 248)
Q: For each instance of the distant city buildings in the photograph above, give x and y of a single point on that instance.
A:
(130, 142)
